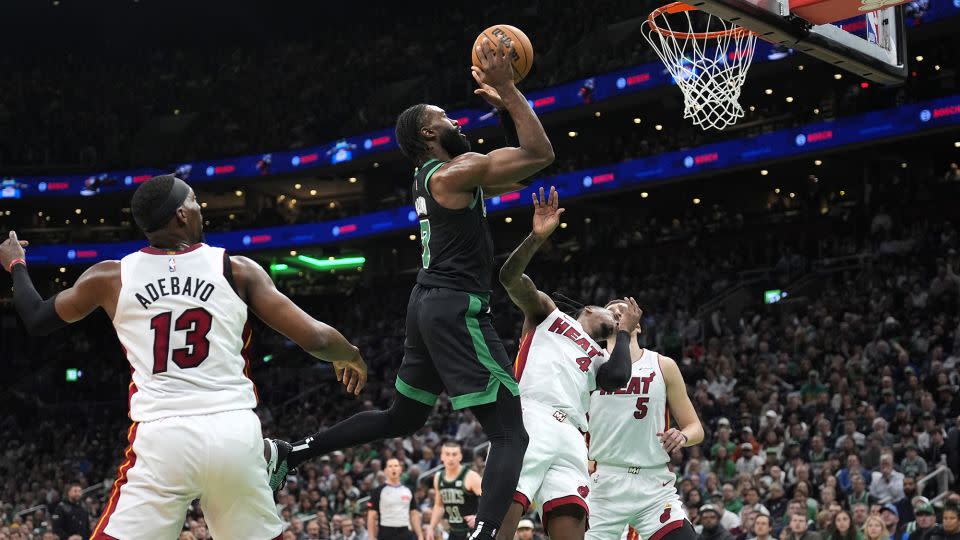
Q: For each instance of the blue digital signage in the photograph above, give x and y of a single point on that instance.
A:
(567, 96)
(872, 127)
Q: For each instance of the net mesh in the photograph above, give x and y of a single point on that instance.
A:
(708, 58)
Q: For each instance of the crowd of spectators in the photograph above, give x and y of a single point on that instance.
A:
(834, 402)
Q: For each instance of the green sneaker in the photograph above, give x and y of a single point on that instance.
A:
(277, 467)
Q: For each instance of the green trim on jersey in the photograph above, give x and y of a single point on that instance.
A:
(426, 179)
(498, 375)
(415, 393)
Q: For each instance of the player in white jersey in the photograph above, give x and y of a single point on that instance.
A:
(559, 364)
(180, 310)
(631, 440)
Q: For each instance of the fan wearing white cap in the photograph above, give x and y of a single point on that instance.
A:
(631, 439)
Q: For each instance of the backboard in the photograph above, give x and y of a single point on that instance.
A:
(877, 52)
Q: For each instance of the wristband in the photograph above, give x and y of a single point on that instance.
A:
(18, 260)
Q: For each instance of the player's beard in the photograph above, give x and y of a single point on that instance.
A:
(454, 142)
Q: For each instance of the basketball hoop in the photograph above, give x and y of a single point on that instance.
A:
(710, 65)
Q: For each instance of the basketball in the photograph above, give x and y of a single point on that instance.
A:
(509, 36)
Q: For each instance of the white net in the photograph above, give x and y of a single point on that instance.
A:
(708, 58)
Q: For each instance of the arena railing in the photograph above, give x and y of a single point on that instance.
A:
(581, 93)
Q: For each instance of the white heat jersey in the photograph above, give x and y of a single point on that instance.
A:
(624, 423)
(184, 332)
(557, 366)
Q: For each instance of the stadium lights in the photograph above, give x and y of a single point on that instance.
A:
(84, 221)
(238, 193)
(587, 220)
(296, 186)
(768, 91)
(637, 120)
(937, 67)
(752, 108)
(376, 164)
(66, 222)
(842, 193)
(837, 76)
(764, 172)
(352, 179)
(903, 165)
(776, 190)
(817, 162)
(413, 237)
(63, 270)
(596, 114)
(956, 144)
(571, 134)
(793, 195)
(333, 204)
(644, 195)
(232, 216)
(919, 58)
(78, 211)
(203, 204)
(345, 262)
(313, 192)
(696, 200)
(658, 127)
(800, 67)
(480, 140)
(816, 111)
(102, 221)
(293, 253)
(789, 99)
(563, 225)
(40, 213)
(508, 219)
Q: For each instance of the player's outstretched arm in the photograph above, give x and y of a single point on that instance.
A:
(615, 372)
(505, 166)
(280, 313)
(41, 317)
(691, 431)
(535, 304)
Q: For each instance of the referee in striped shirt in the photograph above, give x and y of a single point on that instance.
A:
(392, 512)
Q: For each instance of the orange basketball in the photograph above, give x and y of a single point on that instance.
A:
(522, 55)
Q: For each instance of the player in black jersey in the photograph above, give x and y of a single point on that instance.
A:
(456, 491)
(451, 343)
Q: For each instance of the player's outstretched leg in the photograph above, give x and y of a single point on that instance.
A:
(510, 522)
(404, 417)
(566, 522)
(502, 421)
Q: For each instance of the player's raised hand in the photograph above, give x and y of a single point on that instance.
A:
(546, 213)
(672, 439)
(487, 92)
(352, 373)
(630, 315)
(12, 249)
(496, 69)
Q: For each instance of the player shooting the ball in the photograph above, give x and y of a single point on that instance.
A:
(451, 343)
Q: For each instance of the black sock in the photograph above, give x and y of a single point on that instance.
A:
(502, 421)
(404, 417)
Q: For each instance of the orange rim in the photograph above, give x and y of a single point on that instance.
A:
(680, 7)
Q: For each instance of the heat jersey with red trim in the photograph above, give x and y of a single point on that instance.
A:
(183, 329)
(557, 366)
(624, 423)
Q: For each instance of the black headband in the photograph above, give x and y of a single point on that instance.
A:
(161, 214)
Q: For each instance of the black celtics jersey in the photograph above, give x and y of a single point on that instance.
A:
(457, 500)
(457, 244)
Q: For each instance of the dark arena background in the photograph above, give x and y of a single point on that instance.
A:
(801, 265)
